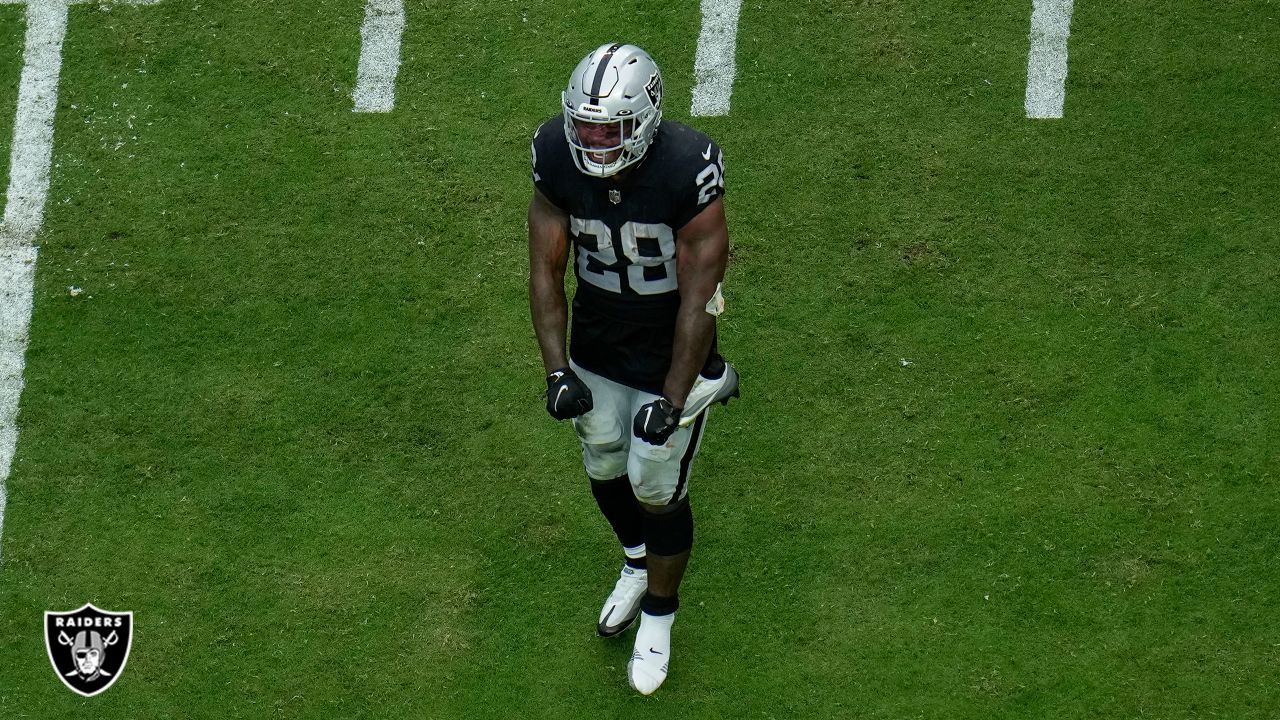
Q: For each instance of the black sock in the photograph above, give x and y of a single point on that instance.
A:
(713, 368)
(655, 605)
(620, 508)
(637, 563)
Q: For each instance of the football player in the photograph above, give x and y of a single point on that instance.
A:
(639, 200)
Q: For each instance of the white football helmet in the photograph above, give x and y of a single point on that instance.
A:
(612, 108)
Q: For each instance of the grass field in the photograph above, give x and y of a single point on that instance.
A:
(1008, 443)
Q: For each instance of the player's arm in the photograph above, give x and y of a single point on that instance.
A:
(567, 396)
(548, 256)
(702, 252)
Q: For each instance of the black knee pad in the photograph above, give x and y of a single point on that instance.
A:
(669, 533)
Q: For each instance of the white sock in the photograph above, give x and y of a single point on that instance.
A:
(652, 654)
(635, 553)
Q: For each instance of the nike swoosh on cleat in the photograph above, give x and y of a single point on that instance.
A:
(655, 652)
(707, 155)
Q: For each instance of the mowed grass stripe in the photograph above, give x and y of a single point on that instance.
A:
(198, 438)
(215, 398)
(391, 496)
(12, 30)
(931, 167)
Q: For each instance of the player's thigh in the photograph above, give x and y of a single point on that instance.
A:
(660, 473)
(604, 432)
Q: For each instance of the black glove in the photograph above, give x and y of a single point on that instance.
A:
(656, 421)
(567, 396)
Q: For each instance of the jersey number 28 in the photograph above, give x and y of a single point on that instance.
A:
(596, 241)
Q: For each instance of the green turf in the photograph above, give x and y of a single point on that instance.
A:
(11, 34)
(294, 422)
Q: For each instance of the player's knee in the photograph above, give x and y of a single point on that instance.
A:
(604, 446)
(653, 475)
(604, 460)
(669, 532)
(649, 491)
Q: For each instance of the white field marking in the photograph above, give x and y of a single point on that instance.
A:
(379, 56)
(17, 281)
(714, 64)
(1047, 59)
(78, 2)
(29, 159)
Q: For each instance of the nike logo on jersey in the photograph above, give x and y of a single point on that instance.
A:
(707, 155)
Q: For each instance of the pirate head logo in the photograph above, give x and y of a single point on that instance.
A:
(654, 88)
(88, 647)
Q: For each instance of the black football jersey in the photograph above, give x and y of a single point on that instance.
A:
(623, 231)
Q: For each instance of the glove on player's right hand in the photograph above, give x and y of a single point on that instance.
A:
(567, 396)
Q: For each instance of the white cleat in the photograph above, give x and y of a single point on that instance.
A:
(652, 654)
(706, 391)
(623, 604)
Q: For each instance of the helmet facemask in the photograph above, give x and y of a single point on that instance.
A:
(603, 146)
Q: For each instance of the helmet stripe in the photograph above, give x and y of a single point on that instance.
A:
(600, 68)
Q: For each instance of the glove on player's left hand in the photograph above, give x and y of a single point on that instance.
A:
(656, 421)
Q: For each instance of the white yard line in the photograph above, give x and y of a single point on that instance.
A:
(379, 56)
(79, 2)
(29, 159)
(714, 64)
(33, 127)
(1047, 59)
(17, 281)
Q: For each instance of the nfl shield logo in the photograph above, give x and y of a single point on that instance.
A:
(615, 196)
(88, 647)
